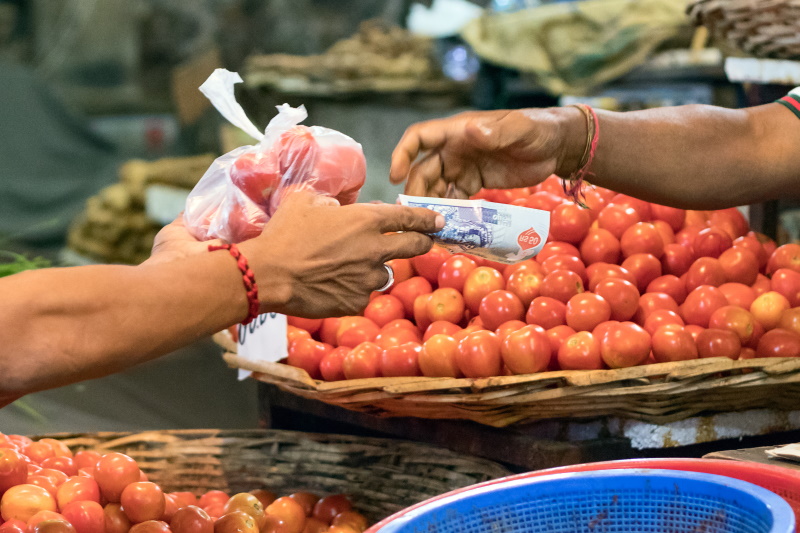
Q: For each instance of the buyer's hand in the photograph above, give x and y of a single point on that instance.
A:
(174, 241)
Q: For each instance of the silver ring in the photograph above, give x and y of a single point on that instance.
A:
(391, 278)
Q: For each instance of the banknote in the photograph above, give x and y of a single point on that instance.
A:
(498, 232)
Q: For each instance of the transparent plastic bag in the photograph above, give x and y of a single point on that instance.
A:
(242, 189)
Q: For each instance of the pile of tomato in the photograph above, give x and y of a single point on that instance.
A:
(621, 282)
(45, 488)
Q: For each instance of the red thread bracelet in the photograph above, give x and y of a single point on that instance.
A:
(577, 177)
(247, 276)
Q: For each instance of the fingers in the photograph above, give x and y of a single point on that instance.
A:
(417, 138)
(405, 245)
(391, 218)
(425, 175)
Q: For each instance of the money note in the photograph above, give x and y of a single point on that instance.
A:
(498, 232)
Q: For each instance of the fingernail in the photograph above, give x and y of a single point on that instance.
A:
(439, 222)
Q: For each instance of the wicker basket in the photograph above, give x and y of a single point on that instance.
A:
(382, 476)
(658, 393)
(760, 28)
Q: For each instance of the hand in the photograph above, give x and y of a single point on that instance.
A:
(492, 149)
(175, 242)
(316, 258)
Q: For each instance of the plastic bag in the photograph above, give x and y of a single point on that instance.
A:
(242, 189)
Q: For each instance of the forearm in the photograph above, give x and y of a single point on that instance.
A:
(700, 157)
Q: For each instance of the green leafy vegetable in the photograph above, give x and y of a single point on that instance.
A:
(12, 263)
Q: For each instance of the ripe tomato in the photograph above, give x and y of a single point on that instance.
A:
(329, 329)
(85, 516)
(171, 506)
(705, 271)
(787, 282)
(526, 350)
(21, 502)
(598, 272)
(624, 345)
(113, 473)
(561, 285)
(730, 220)
(52, 526)
(59, 448)
(479, 283)
(314, 525)
(308, 354)
(529, 265)
(311, 325)
(157, 526)
(13, 526)
(43, 516)
(351, 520)
(694, 330)
(580, 351)
(454, 271)
(62, 464)
(446, 304)
(543, 200)
(402, 268)
(666, 232)
(739, 265)
(557, 336)
(701, 303)
(440, 327)
(328, 507)
(257, 174)
(43, 481)
(600, 246)
(525, 284)
(718, 343)
(478, 355)
(546, 312)
(437, 358)
(39, 451)
(13, 469)
(77, 488)
(790, 319)
(332, 365)
(57, 477)
(671, 285)
(621, 295)
(761, 285)
(565, 262)
(735, 319)
(569, 223)
(779, 343)
(671, 215)
(236, 522)
(116, 521)
(401, 360)
(786, 256)
(661, 317)
(652, 301)
(427, 265)
(644, 267)
(641, 207)
(711, 242)
(363, 361)
(266, 497)
(586, 310)
(408, 291)
(642, 238)
(397, 336)
(673, 343)
(738, 294)
(353, 330)
(289, 511)
(383, 309)
(142, 501)
(499, 307)
(768, 308)
(191, 519)
(557, 248)
(507, 328)
(750, 242)
(676, 259)
(617, 218)
(248, 504)
(307, 501)
(421, 311)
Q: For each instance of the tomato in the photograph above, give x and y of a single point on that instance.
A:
(328, 507)
(171, 506)
(671, 215)
(479, 283)
(266, 497)
(39, 451)
(546, 312)
(62, 464)
(671, 285)
(52, 526)
(694, 330)
(308, 354)
(711, 242)
(735, 319)
(731, 221)
(329, 329)
(642, 238)
(59, 448)
(294, 334)
(529, 265)
(351, 519)
(790, 319)
(13, 526)
(408, 291)
(621, 295)
(353, 330)
(761, 285)
(751, 243)
(557, 336)
(402, 268)
(440, 327)
(616, 218)
(311, 325)
(257, 174)
(85, 516)
(543, 200)
(307, 501)
(786, 256)
(561, 285)
(779, 343)
(718, 343)
(787, 282)
(556, 248)
(705, 271)
(313, 525)
(43, 516)
(478, 355)
(397, 336)
(44, 482)
(454, 271)
(768, 307)
(738, 294)
(580, 351)
(586, 310)
(13, 469)
(437, 358)
(384, 309)
(739, 265)
(676, 259)
(525, 285)
(237, 522)
(653, 301)
(77, 489)
(191, 519)
(428, 264)
(641, 207)
(644, 268)
(21, 502)
(446, 304)
(686, 236)
(142, 501)
(599, 272)
(673, 343)
(624, 345)
(86, 459)
(507, 328)
(115, 519)
(701, 303)
(526, 350)
(331, 366)
(401, 360)
(666, 232)
(421, 311)
(363, 361)
(565, 262)
(569, 223)
(661, 317)
(155, 526)
(600, 246)
(248, 504)
(499, 307)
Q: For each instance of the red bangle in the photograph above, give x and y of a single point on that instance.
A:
(247, 276)
(593, 137)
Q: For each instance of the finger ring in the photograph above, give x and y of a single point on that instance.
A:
(391, 278)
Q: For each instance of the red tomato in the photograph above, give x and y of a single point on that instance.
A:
(437, 358)
(421, 311)
(52, 526)
(642, 238)
(768, 307)
(311, 325)
(62, 464)
(621, 295)
(191, 519)
(400, 323)
(730, 220)
(600, 246)
(739, 265)
(266, 497)
(664, 229)
(42, 516)
(779, 343)
(77, 488)
(44, 482)
(257, 174)
(446, 304)
(790, 319)
(39, 451)
(653, 301)
(115, 519)
(13, 526)
(383, 309)
(557, 336)
(525, 284)
(526, 350)
(738, 294)
(479, 283)
(671, 285)
(142, 501)
(624, 345)
(113, 473)
(661, 317)
(454, 271)
(786, 256)
(239, 522)
(171, 506)
(427, 265)
(676, 259)
(565, 262)
(586, 310)
(85, 516)
(602, 271)
(787, 282)
(718, 343)
(440, 327)
(747, 353)
(617, 218)
(761, 285)
(401, 360)
(750, 242)
(735, 319)
(694, 330)
(543, 200)
(499, 307)
(331, 366)
(248, 504)
(402, 268)
(673, 343)
(557, 248)
(478, 355)
(561, 285)
(642, 207)
(13, 469)
(56, 476)
(644, 267)
(307, 501)
(59, 448)
(21, 502)
(408, 291)
(686, 236)
(711, 242)
(213, 497)
(701, 303)
(671, 215)
(86, 459)
(329, 329)
(363, 361)
(330, 506)
(397, 336)
(507, 328)
(546, 312)
(353, 330)
(349, 521)
(529, 265)
(705, 271)
(580, 351)
(308, 354)
(569, 223)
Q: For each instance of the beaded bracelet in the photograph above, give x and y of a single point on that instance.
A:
(592, 137)
(247, 276)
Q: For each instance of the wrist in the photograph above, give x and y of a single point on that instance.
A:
(573, 134)
(274, 281)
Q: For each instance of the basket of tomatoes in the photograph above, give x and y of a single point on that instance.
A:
(219, 481)
(631, 309)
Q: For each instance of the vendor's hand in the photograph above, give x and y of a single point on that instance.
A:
(316, 258)
(175, 242)
(492, 149)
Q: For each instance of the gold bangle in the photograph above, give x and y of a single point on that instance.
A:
(589, 134)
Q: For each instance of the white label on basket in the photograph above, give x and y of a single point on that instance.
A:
(263, 339)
